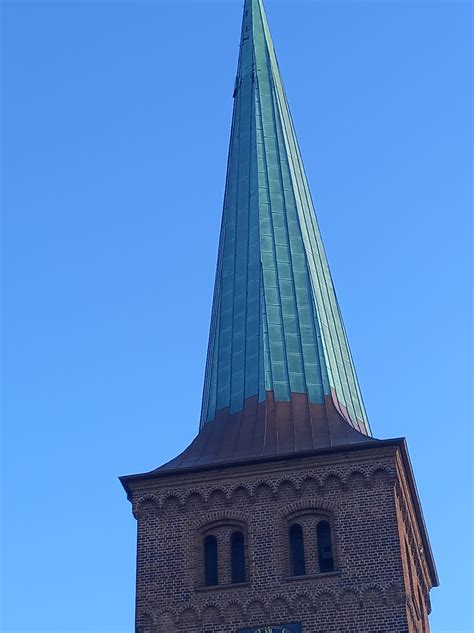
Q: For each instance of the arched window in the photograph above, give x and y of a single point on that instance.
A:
(297, 550)
(237, 552)
(325, 554)
(211, 576)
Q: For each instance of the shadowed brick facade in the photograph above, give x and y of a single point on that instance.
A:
(284, 462)
(366, 493)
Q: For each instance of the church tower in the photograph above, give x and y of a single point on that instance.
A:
(284, 514)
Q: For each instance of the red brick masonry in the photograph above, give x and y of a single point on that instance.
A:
(383, 564)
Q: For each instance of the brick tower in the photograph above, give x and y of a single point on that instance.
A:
(284, 514)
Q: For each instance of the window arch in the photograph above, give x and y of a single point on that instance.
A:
(224, 545)
(211, 574)
(325, 550)
(237, 555)
(298, 566)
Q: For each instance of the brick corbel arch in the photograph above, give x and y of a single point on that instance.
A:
(150, 501)
(349, 475)
(312, 504)
(221, 515)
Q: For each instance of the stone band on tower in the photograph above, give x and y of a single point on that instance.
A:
(284, 496)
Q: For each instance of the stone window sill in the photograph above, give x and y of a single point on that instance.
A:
(327, 574)
(230, 585)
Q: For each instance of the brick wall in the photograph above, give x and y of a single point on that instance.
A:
(380, 583)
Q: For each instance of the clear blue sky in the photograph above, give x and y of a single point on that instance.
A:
(116, 119)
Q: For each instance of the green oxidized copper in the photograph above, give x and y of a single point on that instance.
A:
(276, 324)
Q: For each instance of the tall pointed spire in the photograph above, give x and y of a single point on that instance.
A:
(279, 374)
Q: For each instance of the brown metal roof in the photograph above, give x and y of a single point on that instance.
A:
(268, 428)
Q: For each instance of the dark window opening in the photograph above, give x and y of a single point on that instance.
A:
(237, 546)
(297, 550)
(211, 577)
(325, 554)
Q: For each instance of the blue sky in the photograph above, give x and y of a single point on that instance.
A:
(116, 118)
